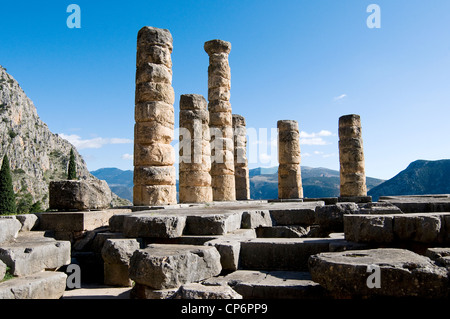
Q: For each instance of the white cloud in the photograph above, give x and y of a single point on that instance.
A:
(127, 157)
(322, 133)
(97, 142)
(340, 97)
(314, 138)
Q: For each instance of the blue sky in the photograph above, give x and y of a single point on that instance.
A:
(310, 61)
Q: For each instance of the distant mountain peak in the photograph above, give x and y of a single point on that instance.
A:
(420, 177)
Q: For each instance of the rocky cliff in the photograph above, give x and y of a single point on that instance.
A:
(37, 156)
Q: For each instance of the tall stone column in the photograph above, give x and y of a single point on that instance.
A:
(220, 121)
(351, 157)
(154, 173)
(195, 152)
(289, 171)
(241, 176)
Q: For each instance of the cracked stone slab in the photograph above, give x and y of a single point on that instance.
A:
(253, 284)
(284, 214)
(229, 247)
(42, 285)
(199, 291)
(425, 228)
(281, 253)
(419, 203)
(402, 273)
(154, 225)
(256, 218)
(31, 253)
(169, 266)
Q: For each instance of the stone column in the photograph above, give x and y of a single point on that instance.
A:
(289, 172)
(195, 152)
(351, 157)
(220, 121)
(154, 173)
(241, 176)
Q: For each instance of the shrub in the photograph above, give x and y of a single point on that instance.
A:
(72, 171)
(7, 196)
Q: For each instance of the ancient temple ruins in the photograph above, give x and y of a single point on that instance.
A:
(214, 242)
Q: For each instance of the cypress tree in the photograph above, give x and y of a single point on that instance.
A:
(72, 170)
(7, 196)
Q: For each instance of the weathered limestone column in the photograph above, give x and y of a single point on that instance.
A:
(289, 171)
(195, 152)
(154, 173)
(351, 157)
(241, 177)
(220, 121)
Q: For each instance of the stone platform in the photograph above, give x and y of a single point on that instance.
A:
(247, 249)
(32, 261)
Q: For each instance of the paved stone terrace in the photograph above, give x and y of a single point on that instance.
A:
(258, 249)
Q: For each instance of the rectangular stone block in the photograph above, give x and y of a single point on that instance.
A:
(42, 285)
(157, 225)
(293, 216)
(423, 228)
(77, 221)
(420, 203)
(170, 266)
(256, 218)
(281, 253)
(252, 284)
(26, 257)
(79, 195)
(229, 247)
(213, 224)
(369, 228)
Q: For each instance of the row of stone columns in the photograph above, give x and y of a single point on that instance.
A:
(213, 162)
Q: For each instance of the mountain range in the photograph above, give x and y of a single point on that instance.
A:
(317, 182)
(419, 178)
(38, 156)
